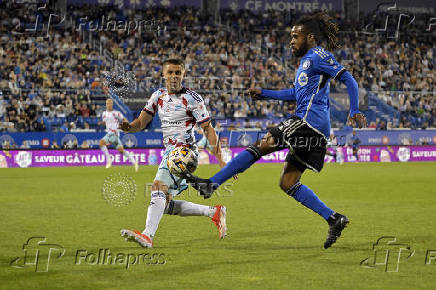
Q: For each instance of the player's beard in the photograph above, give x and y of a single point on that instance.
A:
(303, 48)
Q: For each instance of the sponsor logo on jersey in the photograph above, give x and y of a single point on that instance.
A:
(306, 64)
(166, 122)
(303, 79)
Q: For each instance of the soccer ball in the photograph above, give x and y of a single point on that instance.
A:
(182, 160)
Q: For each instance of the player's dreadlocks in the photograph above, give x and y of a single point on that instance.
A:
(323, 27)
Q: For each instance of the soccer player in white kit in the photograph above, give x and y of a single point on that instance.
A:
(179, 110)
(113, 119)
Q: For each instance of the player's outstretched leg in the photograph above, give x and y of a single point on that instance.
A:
(154, 215)
(185, 208)
(290, 183)
(129, 156)
(239, 164)
(103, 148)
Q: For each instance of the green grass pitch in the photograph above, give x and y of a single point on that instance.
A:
(273, 242)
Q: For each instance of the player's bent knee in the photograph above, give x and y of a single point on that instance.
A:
(293, 189)
(159, 186)
(291, 182)
(102, 143)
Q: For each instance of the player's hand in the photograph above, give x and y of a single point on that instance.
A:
(254, 93)
(358, 120)
(125, 126)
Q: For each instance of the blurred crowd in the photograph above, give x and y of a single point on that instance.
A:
(61, 76)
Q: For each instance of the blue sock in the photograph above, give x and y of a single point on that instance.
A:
(237, 165)
(309, 199)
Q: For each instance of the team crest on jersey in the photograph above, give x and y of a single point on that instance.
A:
(306, 64)
(303, 79)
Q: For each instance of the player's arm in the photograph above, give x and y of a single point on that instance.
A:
(138, 124)
(283, 95)
(355, 116)
(144, 118)
(327, 64)
(212, 137)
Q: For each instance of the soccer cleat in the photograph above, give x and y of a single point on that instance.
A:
(337, 224)
(108, 163)
(204, 186)
(136, 166)
(138, 237)
(219, 219)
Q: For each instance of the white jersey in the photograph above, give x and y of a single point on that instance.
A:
(112, 119)
(178, 114)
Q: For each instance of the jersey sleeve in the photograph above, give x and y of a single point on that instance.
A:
(198, 109)
(327, 64)
(151, 106)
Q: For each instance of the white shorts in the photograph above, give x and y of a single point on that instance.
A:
(113, 138)
(175, 184)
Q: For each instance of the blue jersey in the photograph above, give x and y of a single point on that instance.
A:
(312, 86)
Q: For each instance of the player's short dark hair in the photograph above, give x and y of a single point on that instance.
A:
(322, 26)
(175, 61)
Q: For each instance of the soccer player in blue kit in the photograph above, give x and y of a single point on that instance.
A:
(305, 133)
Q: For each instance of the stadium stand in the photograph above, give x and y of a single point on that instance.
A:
(55, 83)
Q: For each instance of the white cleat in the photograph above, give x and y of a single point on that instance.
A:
(219, 219)
(138, 237)
(109, 163)
(136, 166)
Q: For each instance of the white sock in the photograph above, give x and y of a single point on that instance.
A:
(186, 208)
(106, 152)
(154, 213)
(129, 156)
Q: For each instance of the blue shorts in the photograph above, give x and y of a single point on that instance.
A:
(175, 184)
(113, 139)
